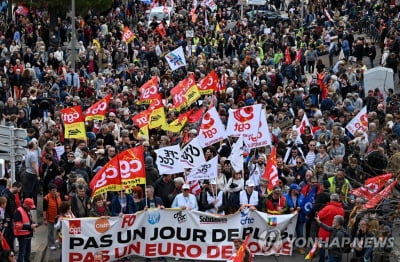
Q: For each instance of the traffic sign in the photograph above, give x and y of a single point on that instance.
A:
(12, 146)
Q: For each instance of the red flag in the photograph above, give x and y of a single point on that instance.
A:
(374, 201)
(178, 97)
(21, 10)
(107, 179)
(371, 186)
(241, 252)
(131, 165)
(142, 119)
(4, 243)
(98, 110)
(149, 90)
(161, 29)
(153, 4)
(288, 58)
(127, 35)
(209, 83)
(298, 55)
(196, 116)
(304, 123)
(195, 188)
(271, 171)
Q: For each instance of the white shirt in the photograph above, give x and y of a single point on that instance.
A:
(211, 198)
(189, 201)
(253, 200)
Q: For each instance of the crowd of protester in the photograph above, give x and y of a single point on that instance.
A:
(279, 65)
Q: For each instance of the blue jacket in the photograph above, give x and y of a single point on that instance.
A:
(116, 206)
(299, 203)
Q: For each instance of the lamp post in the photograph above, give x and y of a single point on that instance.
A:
(73, 36)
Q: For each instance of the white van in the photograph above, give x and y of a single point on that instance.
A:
(161, 14)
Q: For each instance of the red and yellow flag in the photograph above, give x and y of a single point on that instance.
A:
(157, 115)
(127, 35)
(131, 165)
(108, 178)
(185, 93)
(98, 110)
(241, 252)
(124, 170)
(209, 83)
(74, 123)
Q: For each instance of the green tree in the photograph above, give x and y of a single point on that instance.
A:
(63, 7)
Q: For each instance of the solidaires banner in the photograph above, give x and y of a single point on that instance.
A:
(176, 233)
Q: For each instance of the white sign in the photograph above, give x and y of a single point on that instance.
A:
(207, 170)
(192, 154)
(263, 138)
(175, 233)
(359, 122)
(236, 156)
(244, 120)
(212, 129)
(168, 160)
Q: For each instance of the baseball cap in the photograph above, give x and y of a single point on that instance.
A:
(29, 202)
(250, 183)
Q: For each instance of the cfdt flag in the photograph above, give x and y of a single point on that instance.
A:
(74, 123)
(98, 110)
(176, 58)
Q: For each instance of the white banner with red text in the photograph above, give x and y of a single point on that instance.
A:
(176, 233)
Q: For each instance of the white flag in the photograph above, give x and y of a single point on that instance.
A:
(168, 160)
(212, 129)
(176, 58)
(236, 156)
(192, 154)
(359, 122)
(207, 170)
(263, 137)
(244, 120)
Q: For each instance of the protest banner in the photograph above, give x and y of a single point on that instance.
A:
(176, 233)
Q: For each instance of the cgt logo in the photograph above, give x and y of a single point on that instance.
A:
(75, 227)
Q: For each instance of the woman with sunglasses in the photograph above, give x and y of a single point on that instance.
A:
(8, 256)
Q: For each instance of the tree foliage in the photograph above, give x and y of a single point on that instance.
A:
(63, 7)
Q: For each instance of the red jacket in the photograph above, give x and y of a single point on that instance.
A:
(326, 216)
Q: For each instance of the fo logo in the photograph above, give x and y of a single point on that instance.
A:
(75, 227)
(102, 225)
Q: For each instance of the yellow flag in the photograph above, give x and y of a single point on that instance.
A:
(97, 44)
(157, 118)
(217, 28)
(144, 131)
(175, 126)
